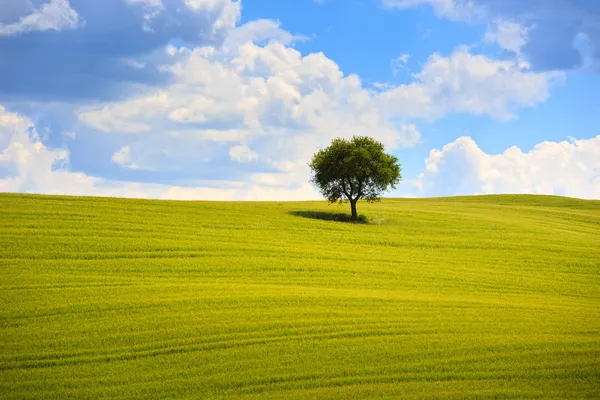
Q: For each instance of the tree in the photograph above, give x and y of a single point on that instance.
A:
(354, 169)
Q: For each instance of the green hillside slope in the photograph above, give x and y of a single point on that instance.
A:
(458, 298)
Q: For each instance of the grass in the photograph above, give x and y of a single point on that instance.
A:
(451, 298)
(330, 216)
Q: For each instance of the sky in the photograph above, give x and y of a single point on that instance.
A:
(229, 99)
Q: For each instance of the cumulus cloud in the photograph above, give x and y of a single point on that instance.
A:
(227, 13)
(263, 96)
(451, 9)
(508, 35)
(400, 62)
(259, 31)
(467, 83)
(55, 15)
(565, 168)
(152, 8)
(459, 168)
(285, 105)
(552, 27)
(113, 52)
(146, 3)
(242, 153)
(213, 17)
(256, 99)
(239, 93)
(30, 166)
(124, 158)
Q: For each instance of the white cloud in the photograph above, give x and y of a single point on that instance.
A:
(242, 154)
(266, 97)
(545, 31)
(56, 15)
(284, 106)
(208, 19)
(410, 132)
(262, 30)
(124, 158)
(565, 168)
(213, 135)
(451, 9)
(124, 117)
(35, 168)
(152, 8)
(305, 192)
(245, 93)
(461, 167)
(587, 48)
(467, 83)
(403, 58)
(228, 12)
(69, 135)
(508, 35)
(146, 3)
(400, 62)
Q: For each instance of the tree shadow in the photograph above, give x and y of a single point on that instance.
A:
(329, 216)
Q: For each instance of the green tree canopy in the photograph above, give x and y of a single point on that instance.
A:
(354, 169)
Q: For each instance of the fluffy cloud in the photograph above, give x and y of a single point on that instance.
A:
(565, 168)
(124, 158)
(284, 106)
(56, 15)
(399, 63)
(467, 83)
(222, 15)
(213, 17)
(29, 166)
(242, 153)
(113, 51)
(553, 27)
(508, 35)
(227, 13)
(243, 95)
(461, 167)
(270, 107)
(451, 9)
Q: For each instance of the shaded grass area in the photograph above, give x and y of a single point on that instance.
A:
(330, 216)
(454, 298)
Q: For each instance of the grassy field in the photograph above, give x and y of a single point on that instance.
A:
(458, 298)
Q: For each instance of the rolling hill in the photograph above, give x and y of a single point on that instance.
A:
(450, 298)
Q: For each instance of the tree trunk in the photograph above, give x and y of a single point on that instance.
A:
(353, 206)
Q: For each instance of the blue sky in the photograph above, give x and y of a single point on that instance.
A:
(223, 99)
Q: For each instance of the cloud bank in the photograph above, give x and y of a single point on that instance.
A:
(548, 32)
(179, 89)
(462, 168)
(51, 58)
(56, 15)
(30, 166)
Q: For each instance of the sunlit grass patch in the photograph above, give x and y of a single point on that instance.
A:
(453, 298)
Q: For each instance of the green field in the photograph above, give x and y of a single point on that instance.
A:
(457, 298)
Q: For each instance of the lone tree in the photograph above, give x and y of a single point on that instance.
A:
(354, 169)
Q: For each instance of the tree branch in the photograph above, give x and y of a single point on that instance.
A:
(360, 188)
(344, 188)
(351, 188)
